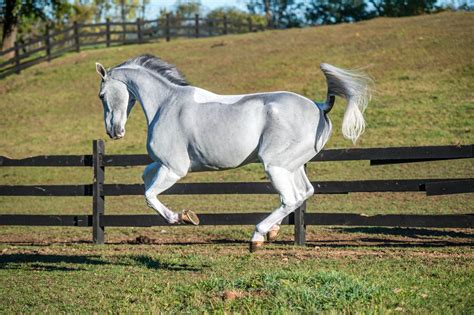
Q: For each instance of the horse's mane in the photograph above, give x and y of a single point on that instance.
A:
(157, 65)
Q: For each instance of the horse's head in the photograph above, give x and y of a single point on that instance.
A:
(117, 102)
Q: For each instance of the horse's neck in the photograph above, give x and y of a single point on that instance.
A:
(152, 92)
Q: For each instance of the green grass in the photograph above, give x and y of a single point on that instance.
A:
(221, 279)
(424, 70)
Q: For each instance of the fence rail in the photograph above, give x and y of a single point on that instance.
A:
(322, 218)
(377, 156)
(431, 186)
(80, 35)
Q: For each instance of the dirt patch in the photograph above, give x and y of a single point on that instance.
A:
(230, 295)
(142, 239)
(347, 242)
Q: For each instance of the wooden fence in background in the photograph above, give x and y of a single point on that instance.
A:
(80, 35)
(98, 189)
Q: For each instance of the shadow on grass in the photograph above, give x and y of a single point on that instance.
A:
(336, 243)
(387, 243)
(54, 262)
(408, 232)
(152, 263)
(358, 237)
(48, 262)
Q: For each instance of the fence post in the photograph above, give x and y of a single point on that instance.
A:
(47, 42)
(139, 30)
(210, 24)
(76, 37)
(250, 24)
(17, 58)
(225, 24)
(107, 32)
(98, 199)
(168, 27)
(300, 226)
(158, 28)
(196, 25)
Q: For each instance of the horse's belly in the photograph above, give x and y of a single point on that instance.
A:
(222, 136)
(225, 144)
(223, 154)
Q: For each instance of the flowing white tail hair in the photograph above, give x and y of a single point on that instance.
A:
(355, 87)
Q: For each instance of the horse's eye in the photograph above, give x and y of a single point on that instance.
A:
(101, 96)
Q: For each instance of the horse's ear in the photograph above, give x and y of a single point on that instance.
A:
(101, 70)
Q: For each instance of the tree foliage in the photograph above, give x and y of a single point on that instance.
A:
(293, 13)
(25, 13)
(396, 8)
(335, 11)
(279, 13)
(235, 17)
(29, 17)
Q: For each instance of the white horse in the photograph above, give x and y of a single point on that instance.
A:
(191, 129)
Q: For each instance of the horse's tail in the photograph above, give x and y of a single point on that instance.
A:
(355, 87)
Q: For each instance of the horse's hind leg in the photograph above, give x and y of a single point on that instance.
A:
(305, 190)
(157, 179)
(289, 186)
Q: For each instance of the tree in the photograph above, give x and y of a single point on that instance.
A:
(396, 8)
(83, 11)
(279, 13)
(188, 9)
(336, 11)
(102, 9)
(129, 9)
(236, 16)
(182, 11)
(16, 11)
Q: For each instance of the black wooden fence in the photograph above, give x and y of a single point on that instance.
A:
(377, 156)
(80, 35)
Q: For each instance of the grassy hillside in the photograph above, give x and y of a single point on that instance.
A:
(424, 72)
(423, 68)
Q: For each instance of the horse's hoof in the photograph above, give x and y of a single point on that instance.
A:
(189, 217)
(273, 233)
(255, 245)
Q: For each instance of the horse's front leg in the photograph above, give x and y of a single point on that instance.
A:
(158, 178)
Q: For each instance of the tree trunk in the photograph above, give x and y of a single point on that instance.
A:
(9, 41)
(124, 18)
(10, 28)
(268, 13)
